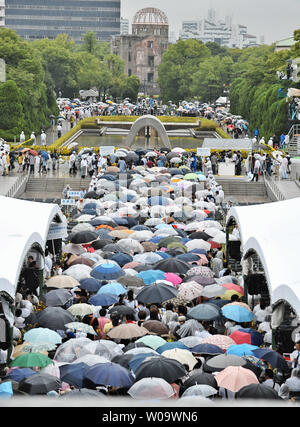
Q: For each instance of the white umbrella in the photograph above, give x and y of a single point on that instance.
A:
(84, 218)
(189, 290)
(91, 359)
(130, 245)
(62, 281)
(151, 154)
(147, 258)
(191, 341)
(203, 390)
(151, 222)
(151, 388)
(142, 236)
(81, 309)
(212, 291)
(175, 160)
(210, 223)
(83, 226)
(178, 150)
(198, 244)
(78, 271)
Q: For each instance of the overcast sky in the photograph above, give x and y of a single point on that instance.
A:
(274, 19)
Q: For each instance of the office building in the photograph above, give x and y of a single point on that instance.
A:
(38, 19)
(221, 31)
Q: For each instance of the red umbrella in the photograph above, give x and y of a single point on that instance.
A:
(215, 245)
(241, 337)
(33, 152)
(67, 108)
(233, 287)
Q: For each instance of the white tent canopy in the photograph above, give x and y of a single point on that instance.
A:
(272, 230)
(23, 225)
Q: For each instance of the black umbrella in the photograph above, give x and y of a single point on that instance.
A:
(98, 221)
(222, 361)
(123, 360)
(84, 237)
(175, 171)
(91, 195)
(99, 244)
(257, 391)
(156, 293)
(57, 297)
(143, 267)
(172, 265)
(198, 377)
(122, 310)
(165, 150)
(54, 318)
(160, 367)
(200, 235)
(39, 384)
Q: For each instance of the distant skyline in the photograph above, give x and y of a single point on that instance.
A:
(272, 19)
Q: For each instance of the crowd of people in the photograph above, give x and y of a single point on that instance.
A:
(141, 302)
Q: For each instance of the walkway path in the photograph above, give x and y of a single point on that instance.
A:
(288, 188)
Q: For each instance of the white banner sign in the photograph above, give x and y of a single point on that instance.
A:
(106, 151)
(74, 194)
(66, 202)
(203, 152)
(57, 231)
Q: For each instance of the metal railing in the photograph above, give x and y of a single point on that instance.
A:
(271, 185)
(20, 182)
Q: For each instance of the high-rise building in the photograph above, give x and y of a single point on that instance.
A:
(124, 28)
(222, 31)
(143, 49)
(2, 13)
(37, 19)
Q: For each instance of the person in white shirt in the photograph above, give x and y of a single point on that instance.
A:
(43, 138)
(295, 355)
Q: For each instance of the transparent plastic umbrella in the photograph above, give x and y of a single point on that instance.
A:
(151, 388)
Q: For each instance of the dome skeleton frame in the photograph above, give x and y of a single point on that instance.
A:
(150, 15)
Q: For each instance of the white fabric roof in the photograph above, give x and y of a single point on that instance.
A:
(273, 231)
(22, 225)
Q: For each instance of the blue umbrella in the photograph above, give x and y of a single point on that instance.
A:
(237, 313)
(188, 257)
(114, 288)
(45, 155)
(121, 258)
(141, 228)
(155, 239)
(108, 374)
(158, 226)
(73, 373)
(164, 255)
(6, 390)
(89, 212)
(171, 346)
(107, 271)
(204, 312)
(271, 356)
(198, 251)
(20, 373)
(135, 362)
(207, 349)
(90, 285)
(151, 276)
(90, 205)
(105, 300)
(121, 221)
(242, 349)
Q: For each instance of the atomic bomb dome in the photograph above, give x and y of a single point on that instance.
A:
(150, 15)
